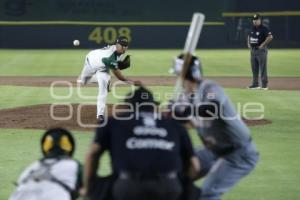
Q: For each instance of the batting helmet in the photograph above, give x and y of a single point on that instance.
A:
(57, 142)
(194, 73)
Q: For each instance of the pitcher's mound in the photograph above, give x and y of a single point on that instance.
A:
(71, 116)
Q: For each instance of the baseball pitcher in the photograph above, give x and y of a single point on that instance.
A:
(99, 63)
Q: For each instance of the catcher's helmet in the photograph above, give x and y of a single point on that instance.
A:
(57, 142)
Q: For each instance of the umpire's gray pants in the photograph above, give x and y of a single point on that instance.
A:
(224, 172)
(259, 66)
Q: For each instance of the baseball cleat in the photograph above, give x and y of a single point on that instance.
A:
(79, 81)
(100, 118)
(253, 87)
(264, 88)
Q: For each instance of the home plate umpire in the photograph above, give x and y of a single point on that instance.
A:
(149, 154)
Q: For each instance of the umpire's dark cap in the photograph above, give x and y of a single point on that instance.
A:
(122, 41)
(256, 17)
(140, 95)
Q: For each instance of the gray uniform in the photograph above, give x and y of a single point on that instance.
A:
(234, 155)
(259, 56)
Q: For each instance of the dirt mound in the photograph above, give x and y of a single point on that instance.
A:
(43, 117)
(259, 122)
(73, 117)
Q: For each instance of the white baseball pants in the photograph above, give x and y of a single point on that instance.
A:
(92, 74)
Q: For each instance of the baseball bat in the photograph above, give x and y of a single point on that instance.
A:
(189, 48)
(192, 41)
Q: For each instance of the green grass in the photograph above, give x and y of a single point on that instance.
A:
(16, 96)
(277, 175)
(284, 62)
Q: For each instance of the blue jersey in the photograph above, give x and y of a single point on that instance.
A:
(258, 35)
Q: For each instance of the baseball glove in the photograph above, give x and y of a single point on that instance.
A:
(124, 63)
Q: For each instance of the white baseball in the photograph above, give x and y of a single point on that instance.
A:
(76, 43)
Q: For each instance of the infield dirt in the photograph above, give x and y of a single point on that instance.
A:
(276, 83)
(40, 117)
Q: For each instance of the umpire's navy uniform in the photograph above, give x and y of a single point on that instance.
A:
(147, 155)
(257, 36)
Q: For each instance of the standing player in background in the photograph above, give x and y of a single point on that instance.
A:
(98, 64)
(229, 154)
(258, 39)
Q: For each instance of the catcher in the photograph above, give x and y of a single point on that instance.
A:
(56, 176)
(97, 66)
